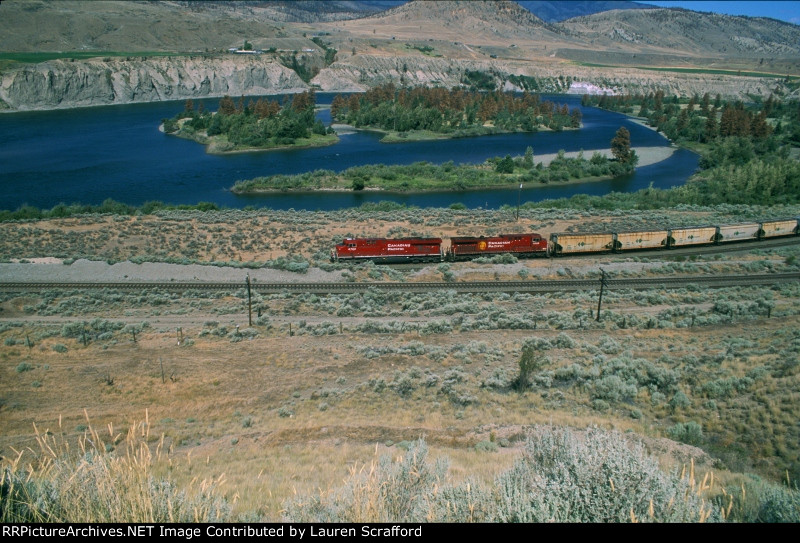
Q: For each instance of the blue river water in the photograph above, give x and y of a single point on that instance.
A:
(87, 155)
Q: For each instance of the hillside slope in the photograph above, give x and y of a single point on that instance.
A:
(417, 43)
(102, 25)
(689, 32)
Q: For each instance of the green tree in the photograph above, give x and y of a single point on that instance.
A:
(621, 146)
(530, 362)
(527, 162)
(505, 166)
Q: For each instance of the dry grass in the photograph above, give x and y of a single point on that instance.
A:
(103, 475)
(266, 235)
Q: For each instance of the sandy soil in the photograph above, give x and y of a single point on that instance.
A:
(647, 155)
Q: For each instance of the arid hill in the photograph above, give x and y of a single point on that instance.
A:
(417, 43)
(698, 35)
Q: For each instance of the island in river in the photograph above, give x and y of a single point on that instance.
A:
(261, 125)
(422, 113)
(553, 169)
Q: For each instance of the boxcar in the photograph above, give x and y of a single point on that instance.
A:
(629, 241)
(383, 250)
(680, 237)
(462, 248)
(738, 232)
(581, 243)
(773, 229)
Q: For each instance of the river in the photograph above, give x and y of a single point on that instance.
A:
(87, 155)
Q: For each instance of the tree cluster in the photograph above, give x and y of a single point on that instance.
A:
(699, 120)
(744, 148)
(447, 111)
(261, 123)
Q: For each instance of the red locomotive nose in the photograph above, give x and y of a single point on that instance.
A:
(384, 251)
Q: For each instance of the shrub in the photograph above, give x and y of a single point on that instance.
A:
(563, 341)
(561, 477)
(690, 433)
(779, 504)
(602, 477)
(530, 362)
(757, 500)
(679, 400)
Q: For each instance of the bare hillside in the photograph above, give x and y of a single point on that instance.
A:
(688, 31)
(69, 25)
(475, 22)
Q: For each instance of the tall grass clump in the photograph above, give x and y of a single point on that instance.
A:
(411, 489)
(105, 478)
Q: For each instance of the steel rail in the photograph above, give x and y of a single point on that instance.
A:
(558, 285)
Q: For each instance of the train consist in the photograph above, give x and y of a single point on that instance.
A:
(386, 251)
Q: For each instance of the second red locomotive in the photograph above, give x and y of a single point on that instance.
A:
(522, 245)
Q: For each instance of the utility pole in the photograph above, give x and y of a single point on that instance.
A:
(519, 197)
(249, 303)
(603, 284)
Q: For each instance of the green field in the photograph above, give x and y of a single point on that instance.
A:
(690, 70)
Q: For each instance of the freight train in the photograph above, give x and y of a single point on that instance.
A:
(387, 251)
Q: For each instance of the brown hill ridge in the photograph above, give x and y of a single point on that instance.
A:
(478, 22)
(423, 42)
(691, 32)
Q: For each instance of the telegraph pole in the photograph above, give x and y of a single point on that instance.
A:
(519, 197)
(249, 303)
(603, 284)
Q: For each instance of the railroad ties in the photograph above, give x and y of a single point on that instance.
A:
(560, 285)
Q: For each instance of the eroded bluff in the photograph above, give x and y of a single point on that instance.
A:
(65, 83)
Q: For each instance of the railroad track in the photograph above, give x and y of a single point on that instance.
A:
(559, 285)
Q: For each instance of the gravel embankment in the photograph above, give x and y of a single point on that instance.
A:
(44, 270)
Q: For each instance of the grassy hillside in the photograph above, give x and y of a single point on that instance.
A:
(319, 383)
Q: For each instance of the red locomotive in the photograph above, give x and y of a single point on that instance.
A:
(522, 245)
(383, 250)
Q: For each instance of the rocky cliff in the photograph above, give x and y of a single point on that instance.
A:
(64, 83)
(360, 72)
